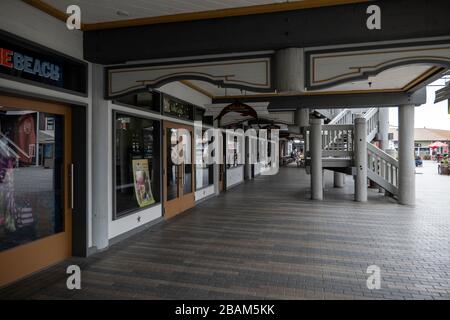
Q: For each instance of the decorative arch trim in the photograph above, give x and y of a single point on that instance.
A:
(251, 74)
(328, 69)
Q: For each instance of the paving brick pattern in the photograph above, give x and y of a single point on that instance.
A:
(266, 240)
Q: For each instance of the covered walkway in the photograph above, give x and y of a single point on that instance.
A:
(266, 240)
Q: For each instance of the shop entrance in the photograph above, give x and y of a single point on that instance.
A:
(222, 173)
(178, 178)
(35, 188)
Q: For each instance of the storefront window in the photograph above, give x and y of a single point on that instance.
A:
(137, 162)
(31, 181)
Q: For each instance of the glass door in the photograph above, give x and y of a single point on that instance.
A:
(178, 168)
(35, 206)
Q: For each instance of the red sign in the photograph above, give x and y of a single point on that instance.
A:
(6, 58)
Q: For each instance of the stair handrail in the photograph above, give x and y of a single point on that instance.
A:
(330, 135)
(382, 154)
(342, 118)
(328, 113)
(371, 117)
(382, 168)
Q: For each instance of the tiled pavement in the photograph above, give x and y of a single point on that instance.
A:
(266, 240)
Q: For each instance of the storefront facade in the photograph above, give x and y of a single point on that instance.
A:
(81, 171)
(142, 185)
(45, 101)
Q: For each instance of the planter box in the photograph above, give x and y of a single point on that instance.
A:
(444, 170)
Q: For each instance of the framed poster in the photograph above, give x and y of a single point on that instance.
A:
(142, 186)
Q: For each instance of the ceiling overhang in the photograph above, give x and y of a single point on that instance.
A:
(401, 68)
(56, 10)
(324, 26)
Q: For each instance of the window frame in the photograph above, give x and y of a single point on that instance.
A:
(157, 153)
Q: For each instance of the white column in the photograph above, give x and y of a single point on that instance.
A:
(406, 170)
(302, 120)
(316, 159)
(383, 128)
(101, 171)
(339, 179)
(289, 70)
(216, 167)
(360, 160)
(383, 132)
(302, 117)
(286, 148)
(248, 165)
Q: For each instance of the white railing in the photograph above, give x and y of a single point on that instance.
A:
(382, 169)
(337, 140)
(344, 117)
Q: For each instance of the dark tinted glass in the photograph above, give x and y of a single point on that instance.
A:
(136, 163)
(31, 167)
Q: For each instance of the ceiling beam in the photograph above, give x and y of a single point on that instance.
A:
(361, 100)
(324, 26)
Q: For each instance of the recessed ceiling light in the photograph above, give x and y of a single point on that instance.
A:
(122, 13)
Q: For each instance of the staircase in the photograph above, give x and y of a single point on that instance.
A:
(338, 149)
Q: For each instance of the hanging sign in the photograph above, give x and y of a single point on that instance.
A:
(244, 109)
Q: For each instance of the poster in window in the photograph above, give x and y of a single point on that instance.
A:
(142, 186)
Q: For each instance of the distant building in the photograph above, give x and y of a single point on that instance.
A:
(423, 137)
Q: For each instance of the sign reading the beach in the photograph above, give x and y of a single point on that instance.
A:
(27, 62)
(142, 186)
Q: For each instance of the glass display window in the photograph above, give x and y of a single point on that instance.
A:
(136, 163)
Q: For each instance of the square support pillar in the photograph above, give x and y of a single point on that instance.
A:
(406, 163)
